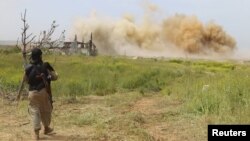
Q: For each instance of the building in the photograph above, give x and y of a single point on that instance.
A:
(76, 47)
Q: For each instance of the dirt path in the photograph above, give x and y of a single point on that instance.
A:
(155, 108)
(93, 118)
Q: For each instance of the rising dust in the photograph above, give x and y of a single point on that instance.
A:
(176, 35)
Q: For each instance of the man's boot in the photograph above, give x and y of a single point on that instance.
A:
(37, 134)
(48, 130)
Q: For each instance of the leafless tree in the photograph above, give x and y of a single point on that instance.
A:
(45, 37)
(26, 38)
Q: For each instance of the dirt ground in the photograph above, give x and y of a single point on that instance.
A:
(154, 117)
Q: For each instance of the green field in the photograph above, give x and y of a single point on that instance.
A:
(122, 98)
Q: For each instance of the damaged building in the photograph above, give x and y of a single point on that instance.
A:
(77, 47)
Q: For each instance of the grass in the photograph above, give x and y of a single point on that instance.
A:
(103, 95)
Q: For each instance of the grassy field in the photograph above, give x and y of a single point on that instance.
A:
(118, 98)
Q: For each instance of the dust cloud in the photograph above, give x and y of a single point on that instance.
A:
(176, 35)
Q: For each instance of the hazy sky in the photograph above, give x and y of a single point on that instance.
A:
(233, 15)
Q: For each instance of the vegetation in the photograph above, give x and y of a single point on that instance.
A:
(120, 98)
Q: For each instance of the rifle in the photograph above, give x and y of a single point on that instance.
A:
(23, 80)
(48, 89)
(20, 89)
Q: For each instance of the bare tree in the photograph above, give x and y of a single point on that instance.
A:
(57, 42)
(45, 38)
(26, 39)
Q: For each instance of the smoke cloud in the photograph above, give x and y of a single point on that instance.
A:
(189, 34)
(172, 36)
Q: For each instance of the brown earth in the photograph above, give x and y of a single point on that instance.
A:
(154, 117)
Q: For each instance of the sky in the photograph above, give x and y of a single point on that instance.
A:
(232, 15)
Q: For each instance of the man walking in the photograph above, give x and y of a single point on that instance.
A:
(38, 75)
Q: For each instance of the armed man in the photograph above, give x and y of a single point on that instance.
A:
(39, 75)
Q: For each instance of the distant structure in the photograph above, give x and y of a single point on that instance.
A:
(76, 47)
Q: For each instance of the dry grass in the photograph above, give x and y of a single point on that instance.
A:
(129, 117)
